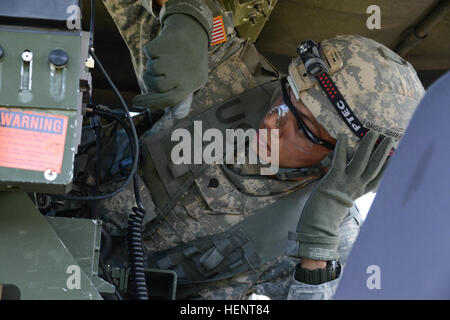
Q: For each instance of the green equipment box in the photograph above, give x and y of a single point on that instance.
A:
(43, 77)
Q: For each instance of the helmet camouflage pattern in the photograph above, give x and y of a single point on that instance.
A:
(381, 88)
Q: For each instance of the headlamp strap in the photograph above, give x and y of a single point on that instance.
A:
(341, 106)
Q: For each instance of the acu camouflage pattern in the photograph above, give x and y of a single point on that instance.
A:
(381, 88)
(138, 24)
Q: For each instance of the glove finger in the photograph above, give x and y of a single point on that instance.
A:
(160, 84)
(378, 159)
(362, 155)
(152, 68)
(373, 185)
(150, 50)
(155, 48)
(163, 65)
(159, 100)
(340, 154)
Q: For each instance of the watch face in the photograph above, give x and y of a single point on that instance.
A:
(334, 269)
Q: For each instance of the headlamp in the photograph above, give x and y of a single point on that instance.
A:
(310, 55)
(312, 61)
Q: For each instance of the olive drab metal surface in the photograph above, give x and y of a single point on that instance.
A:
(42, 79)
(35, 259)
(250, 16)
(43, 85)
(51, 10)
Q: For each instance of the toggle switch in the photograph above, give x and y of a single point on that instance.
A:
(27, 56)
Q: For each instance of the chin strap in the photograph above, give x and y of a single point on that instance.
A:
(294, 173)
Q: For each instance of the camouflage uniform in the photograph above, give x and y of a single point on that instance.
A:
(137, 23)
(234, 67)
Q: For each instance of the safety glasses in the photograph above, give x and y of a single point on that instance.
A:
(301, 124)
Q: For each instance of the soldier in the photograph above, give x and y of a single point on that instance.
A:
(223, 228)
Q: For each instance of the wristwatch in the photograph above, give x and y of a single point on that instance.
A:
(318, 276)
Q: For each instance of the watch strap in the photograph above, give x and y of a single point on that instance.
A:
(318, 276)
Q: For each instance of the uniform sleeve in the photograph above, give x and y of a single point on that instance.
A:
(137, 26)
(348, 233)
(138, 22)
(129, 16)
(151, 6)
(303, 291)
(201, 10)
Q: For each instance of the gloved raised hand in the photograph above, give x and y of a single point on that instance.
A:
(318, 228)
(177, 62)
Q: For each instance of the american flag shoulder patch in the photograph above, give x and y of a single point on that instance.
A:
(218, 31)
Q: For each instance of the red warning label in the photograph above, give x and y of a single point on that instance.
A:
(32, 141)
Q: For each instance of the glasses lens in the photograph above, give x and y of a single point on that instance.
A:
(280, 115)
(291, 142)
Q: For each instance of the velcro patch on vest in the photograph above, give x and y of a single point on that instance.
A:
(218, 31)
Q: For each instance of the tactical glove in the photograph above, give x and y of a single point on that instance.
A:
(318, 228)
(177, 62)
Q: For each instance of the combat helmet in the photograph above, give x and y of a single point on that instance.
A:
(379, 89)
